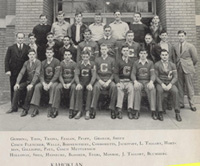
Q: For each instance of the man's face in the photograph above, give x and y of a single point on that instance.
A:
(97, 19)
(20, 38)
(32, 39)
(143, 55)
(156, 19)
(130, 37)
(85, 57)
(87, 35)
(125, 51)
(67, 56)
(136, 18)
(49, 54)
(66, 41)
(148, 39)
(181, 37)
(50, 38)
(60, 17)
(117, 16)
(164, 37)
(107, 32)
(78, 18)
(43, 20)
(104, 50)
(164, 56)
(32, 56)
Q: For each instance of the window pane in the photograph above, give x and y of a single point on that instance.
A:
(144, 7)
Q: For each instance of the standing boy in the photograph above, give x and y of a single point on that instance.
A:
(123, 81)
(143, 77)
(185, 59)
(85, 77)
(166, 79)
(48, 81)
(31, 69)
(67, 84)
(105, 74)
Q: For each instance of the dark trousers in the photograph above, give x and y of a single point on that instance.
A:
(79, 99)
(112, 94)
(28, 97)
(160, 95)
(57, 96)
(13, 79)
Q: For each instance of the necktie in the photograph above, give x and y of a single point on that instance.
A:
(20, 49)
(181, 48)
(165, 66)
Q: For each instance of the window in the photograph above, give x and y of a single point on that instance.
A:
(106, 7)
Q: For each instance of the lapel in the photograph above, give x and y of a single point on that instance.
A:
(23, 49)
(184, 48)
(16, 50)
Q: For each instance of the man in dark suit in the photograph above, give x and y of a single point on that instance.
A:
(16, 55)
(185, 58)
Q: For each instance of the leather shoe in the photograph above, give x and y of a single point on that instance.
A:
(50, 112)
(154, 116)
(87, 115)
(137, 115)
(35, 112)
(178, 117)
(71, 114)
(193, 109)
(11, 110)
(54, 113)
(130, 115)
(119, 115)
(92, 114)
(113, 114)
(182, 106)
(24, 113)
(78, 115)
(160, 116)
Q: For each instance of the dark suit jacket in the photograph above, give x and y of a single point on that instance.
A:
(73, 33)
(14, 60)
(171, 51)
(187, 59)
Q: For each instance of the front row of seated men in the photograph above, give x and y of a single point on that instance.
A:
(86, 79)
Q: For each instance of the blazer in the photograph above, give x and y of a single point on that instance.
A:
(187, 59)
(14, 60)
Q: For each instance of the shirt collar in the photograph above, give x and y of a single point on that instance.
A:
(182, 43)
(80, 23)
(137, 22)
(125, 59)
(165, 62)
(33, 61)
(62, 23)
(18, 45)
(100, 24)
(49, 61)
(146, 61)
(104, 57)
(105, 37)
(117, 22)
(70, 61)
(67, 47)
(83, 63)
(44, 24)
(162, 42)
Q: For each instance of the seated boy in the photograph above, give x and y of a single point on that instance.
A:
(105, 74)
(85, 76)
(166, 78)
(123, 81)
(31, 69)
(143, 76)
(66, 85)
(48, 81)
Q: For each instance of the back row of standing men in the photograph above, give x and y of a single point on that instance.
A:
(115, 36)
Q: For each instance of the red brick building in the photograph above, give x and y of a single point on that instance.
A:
(22, 15)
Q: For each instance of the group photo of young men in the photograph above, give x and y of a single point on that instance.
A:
(128, 64)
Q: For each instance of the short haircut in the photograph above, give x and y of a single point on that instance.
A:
(148, 34)
(164, 50)
(50, 33)
(67, 50)
(77, 13)
(142, 49)
(138, 13)
(20, 33)
(117, 11)
(67, 37)
(88, 30)
(31, 34)
(125, 46)
(181, 31)
(98, 14)
(50, 48)
(86, 51)
(163, 31)
(107, 26)
(61, 13)
(31, 50)
(103, 45)
(129, 31)
(42, 15)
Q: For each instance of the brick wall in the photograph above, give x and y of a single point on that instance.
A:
(197, 5)
(198, 64)
(11, 7)
(3, 8)
(48, 10)
(161, 11)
